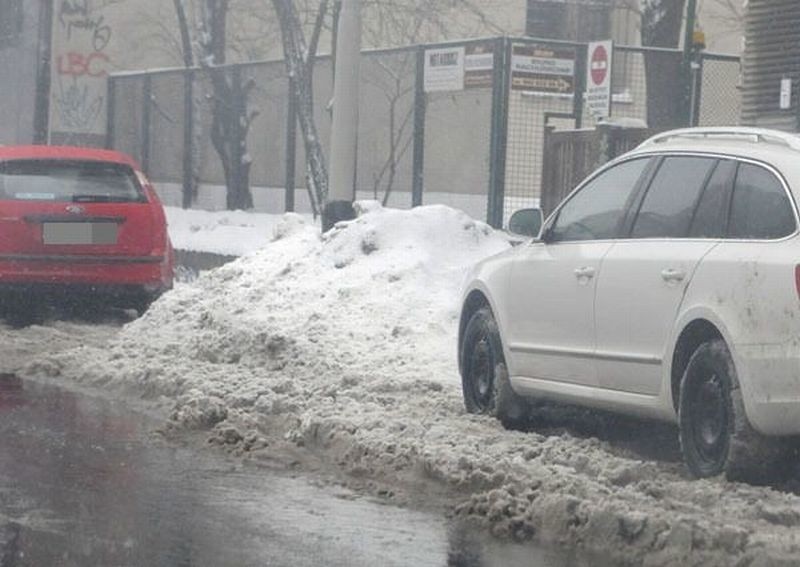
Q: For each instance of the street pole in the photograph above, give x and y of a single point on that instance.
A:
(344, 129)
(41, 113)
(688, 49)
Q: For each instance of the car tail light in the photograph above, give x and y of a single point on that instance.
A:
(159, 234)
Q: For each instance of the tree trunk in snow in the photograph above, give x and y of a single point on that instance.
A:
(661, 27)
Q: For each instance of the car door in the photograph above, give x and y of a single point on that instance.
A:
(552, 285)
(680, 219)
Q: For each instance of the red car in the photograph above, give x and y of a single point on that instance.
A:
(81, 222)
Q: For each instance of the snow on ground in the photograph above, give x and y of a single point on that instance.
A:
(230, 233)
(345, 345)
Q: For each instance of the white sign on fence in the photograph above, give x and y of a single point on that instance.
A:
(598, 78)
(786, 93)
(444, 69)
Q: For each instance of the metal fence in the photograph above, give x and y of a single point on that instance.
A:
(476, 144)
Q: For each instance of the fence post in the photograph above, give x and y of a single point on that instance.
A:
(110, 112)
(696, 89)
(147, 98)
(581, 54)
(291, 148)
(686, 66)
(188, 138)
(499, 133)
(420, 108)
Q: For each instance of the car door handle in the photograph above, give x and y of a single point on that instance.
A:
(671, 275)
(585, 272)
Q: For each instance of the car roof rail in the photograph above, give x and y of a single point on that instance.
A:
(761, 135)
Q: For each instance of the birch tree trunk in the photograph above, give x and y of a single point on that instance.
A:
(299, 64)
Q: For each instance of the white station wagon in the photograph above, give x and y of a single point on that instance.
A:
(666, 286)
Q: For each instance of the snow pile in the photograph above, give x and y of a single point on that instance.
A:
(345, 345)
(230, 233)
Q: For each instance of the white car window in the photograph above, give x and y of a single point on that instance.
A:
(667, 209)
(761, 208)
(595, 212)
(711, 213)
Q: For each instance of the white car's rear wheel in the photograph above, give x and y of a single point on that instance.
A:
(715, 435)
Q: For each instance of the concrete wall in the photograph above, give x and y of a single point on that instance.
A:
(90, 40)
(723, 24)
(18, 67)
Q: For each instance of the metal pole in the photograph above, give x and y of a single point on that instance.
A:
(41, 113)
(188, 138)
(688, 45)
(578, 100)
(147, 99)
(499, 133)
(697, 89)
(344, 129)
(291, 148)
(420, 106)
(111, 112)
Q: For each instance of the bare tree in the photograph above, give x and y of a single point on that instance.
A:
(300, 57)
(661, 22)
(391, 23)
(395, 81)
(410, 22)
(231, 114)
(191, 126)
(387, 23)
(728, 14)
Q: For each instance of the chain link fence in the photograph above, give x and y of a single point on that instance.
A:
(471, 136)
(719, 99)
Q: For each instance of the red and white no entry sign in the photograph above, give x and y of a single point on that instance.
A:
(599, 64)
(598, 78)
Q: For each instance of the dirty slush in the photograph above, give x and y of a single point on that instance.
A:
(343, 347)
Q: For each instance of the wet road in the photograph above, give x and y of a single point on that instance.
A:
(84, 482)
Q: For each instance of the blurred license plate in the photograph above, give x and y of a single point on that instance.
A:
(79, 232)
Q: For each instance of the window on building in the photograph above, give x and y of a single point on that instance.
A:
(587, 20)
(546, 19)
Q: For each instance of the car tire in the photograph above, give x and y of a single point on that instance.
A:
(484, 375)
(715, 434)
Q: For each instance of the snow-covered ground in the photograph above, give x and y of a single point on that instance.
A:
(344, 345)
(230, 233)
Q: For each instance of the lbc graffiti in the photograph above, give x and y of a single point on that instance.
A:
(82, 65)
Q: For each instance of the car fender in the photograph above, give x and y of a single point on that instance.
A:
(491, 278)
(691, 311)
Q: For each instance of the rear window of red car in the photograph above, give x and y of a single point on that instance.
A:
(68, 181)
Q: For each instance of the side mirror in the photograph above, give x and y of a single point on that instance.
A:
(526, 222)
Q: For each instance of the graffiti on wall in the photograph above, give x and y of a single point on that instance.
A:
(82, 59)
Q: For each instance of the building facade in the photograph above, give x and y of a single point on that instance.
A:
(771, 65)
(23, 60)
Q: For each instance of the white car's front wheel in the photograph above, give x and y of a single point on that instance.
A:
(484, 376)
